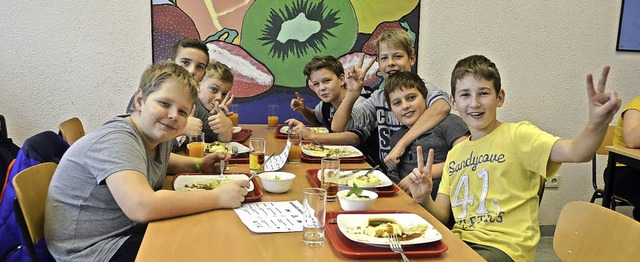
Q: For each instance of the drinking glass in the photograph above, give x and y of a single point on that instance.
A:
(314, 202)
(233, 114)
(257, 147)
(272, 120)
(196, 145)
(329, 171)
(295, 150)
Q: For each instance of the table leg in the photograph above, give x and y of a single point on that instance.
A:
(608, 184)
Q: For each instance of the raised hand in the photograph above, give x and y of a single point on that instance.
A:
(421, 183)
(602, 105)
(297, 104)
(218, 121)
(228, 99)
(354, 76)
(194, 124)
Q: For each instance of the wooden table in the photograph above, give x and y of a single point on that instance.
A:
(220, 235)
(622, 155)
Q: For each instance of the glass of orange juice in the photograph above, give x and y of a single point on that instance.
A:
(295, 150)
(233, 114)
(257, 147)
(272, 120)
(196, 145)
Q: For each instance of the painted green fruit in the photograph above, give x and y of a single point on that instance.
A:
(285, 34)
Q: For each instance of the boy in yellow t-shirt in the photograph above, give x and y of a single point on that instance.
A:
(627, 134)
(490, 181)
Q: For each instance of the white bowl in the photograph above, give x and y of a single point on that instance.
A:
(357, 204)
(277, 182)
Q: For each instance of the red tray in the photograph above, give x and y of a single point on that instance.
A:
(312, 159)
(280, 134)
(312, 177)
(252, 196)
(352, 249)
(241, 136)
(240, 159)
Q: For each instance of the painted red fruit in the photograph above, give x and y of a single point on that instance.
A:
(251, 78)
(170, 25)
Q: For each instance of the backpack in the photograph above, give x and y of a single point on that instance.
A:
(8, 152)
(43, 147)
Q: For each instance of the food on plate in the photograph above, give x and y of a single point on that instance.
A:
(362, 180)
(216, 147)
(320, 151)
(316, 130)
(383, 227)
(208, 186)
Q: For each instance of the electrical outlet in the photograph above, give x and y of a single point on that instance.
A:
(553, 181)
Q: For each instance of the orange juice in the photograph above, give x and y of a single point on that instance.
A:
(256, 159)
(294, 154)
(272, 121)
(234, 119)
(196, 149)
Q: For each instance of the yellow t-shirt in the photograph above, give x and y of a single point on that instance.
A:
(492, 184)
(634, 104)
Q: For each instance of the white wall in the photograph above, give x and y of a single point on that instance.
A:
(84, 58)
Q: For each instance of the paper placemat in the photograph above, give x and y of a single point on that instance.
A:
(271, 217)
(278, 161)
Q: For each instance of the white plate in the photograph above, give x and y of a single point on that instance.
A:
(181, 181)
(241, 148)
(314, 153)
(384, 180)
(352, 226)
(319, 130)
(236, 129)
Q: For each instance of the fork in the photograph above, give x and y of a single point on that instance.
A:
(394, 243)
(234, 150)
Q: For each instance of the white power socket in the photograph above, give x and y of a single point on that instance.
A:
(553, 182)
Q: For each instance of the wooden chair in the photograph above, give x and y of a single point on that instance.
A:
(71, 130)
(31, 187)
(590, 232)
(543, 180)
(602, 150)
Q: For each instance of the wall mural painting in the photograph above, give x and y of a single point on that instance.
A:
(267, 43)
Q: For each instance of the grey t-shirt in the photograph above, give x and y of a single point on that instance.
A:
(332, 110)
(83, 222)
(375, 113)
(440, 138)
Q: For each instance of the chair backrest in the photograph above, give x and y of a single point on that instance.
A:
(607, 141)
(590, 232)
(31, 187)
(71, 130)
(602, 150)
(541, 189)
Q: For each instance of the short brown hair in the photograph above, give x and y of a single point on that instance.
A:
(480, 67)
(404, 80)
(397, 38)
(220, 71)
(329, 62)
(189, 43)
(157, 74)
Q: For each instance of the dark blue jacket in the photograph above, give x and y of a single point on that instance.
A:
(43, 147)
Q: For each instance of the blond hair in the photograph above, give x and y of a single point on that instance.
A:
(396, 38)
(157, 74)
(218, 70)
